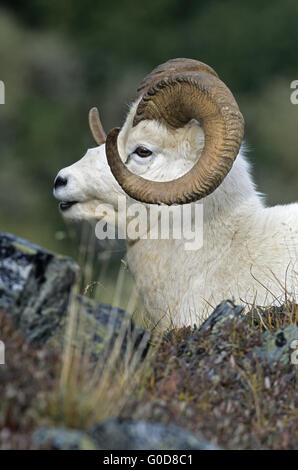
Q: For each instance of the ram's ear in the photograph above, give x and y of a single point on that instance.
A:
(96, 127)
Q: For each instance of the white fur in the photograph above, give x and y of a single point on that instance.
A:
(249, 252)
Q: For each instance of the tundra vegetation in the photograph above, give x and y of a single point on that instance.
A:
(210, 384)
(230, 384)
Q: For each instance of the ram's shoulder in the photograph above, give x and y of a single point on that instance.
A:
(283, 217)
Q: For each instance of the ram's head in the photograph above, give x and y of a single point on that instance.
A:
(177, 145)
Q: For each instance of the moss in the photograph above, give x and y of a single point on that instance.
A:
(62, 439)
(26, 249)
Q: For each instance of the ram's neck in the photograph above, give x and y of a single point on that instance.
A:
(233, 205)
(230, 207)
(236, 192)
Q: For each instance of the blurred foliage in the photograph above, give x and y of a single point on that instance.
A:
(58, 59)
(26, 382)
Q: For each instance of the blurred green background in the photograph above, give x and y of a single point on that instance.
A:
(58, 59)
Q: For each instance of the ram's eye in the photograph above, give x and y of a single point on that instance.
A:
(142, 152)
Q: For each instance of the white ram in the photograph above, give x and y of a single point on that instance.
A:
(179, 145)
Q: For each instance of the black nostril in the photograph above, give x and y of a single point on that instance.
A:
(60, 181)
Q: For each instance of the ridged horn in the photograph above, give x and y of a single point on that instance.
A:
(174, 99)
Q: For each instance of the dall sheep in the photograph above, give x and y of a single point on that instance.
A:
(180, 145)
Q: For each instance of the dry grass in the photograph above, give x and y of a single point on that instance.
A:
(89, 393)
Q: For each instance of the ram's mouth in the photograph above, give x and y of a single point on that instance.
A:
(65, 205)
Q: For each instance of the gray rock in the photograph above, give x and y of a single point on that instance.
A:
(117, 434)
(99, 328)
(277, 345)
(35, 286)
(224, 312)
(62, 439)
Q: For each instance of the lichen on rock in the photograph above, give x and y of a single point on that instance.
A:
(35, 286)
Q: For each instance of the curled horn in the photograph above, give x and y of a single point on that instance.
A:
(173, 94)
